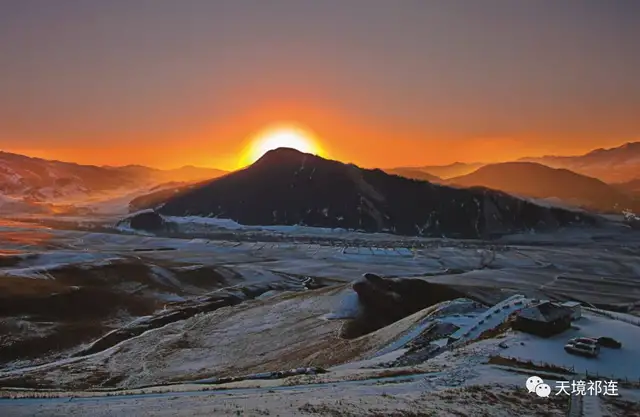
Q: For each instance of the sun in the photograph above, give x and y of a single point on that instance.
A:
(280, 136)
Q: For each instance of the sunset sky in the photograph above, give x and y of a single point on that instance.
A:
(380, 82)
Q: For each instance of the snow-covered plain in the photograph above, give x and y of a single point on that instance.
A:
(283, 330)
(621, 363)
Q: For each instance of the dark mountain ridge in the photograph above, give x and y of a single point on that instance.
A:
(540, 181)
(438, 172)
(413, 173)
(287, 187)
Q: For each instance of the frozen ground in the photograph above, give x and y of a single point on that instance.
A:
(613, 363)
(459, 382)
(380, 398)
(571, 258)
(283, 330)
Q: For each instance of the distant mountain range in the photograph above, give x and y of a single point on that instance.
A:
(539, 181)
(603, 180)
(156, 176)
(437, 171)
(630, 187)
(613, 165)
(34, 184)
(413, 173)
(287, 187)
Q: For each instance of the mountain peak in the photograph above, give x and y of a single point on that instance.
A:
(288, 187)
(283, 156)
(540, 181)
(627, 147)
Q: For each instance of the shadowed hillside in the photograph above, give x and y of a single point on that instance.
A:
(630, 187)
(414, 174)
(539, 181)
(447, 171)
(287, 187)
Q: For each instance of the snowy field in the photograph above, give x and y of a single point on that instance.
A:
(460, 381)
(594, 269)
(281, 330)
(621, 363)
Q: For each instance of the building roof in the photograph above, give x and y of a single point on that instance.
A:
(571, 304)
(545, 312)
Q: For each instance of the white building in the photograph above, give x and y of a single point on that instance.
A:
(576, 307)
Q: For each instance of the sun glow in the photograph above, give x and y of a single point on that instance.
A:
(282, 136)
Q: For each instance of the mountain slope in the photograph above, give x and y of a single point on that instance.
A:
(444, 171)
(631, 187)
(159, 194)
(612, 165)
(158, 176)
(27, 182)
(540, 181)
(286, 187)
(413, 173)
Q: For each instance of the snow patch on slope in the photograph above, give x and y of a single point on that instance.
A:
(348, 306)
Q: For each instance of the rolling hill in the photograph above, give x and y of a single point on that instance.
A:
(287, 187)
(612, 165)
(438, 171)
(539, 181)
(34, 184)
(413, 173)
(615, 165)
(631, 187)
(159, 194)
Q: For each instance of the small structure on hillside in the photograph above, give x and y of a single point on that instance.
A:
(149, 221)
(575, 307)
(545, 319)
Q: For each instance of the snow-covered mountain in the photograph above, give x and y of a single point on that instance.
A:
(612, 165)
(35, 184)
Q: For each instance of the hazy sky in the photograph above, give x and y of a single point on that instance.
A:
(381, 82)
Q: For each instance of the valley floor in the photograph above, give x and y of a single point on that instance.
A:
(189, 312)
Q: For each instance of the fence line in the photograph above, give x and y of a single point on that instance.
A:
(550, 367)
(613, 316)
(575, 406)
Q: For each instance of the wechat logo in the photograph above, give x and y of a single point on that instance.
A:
(537, 385)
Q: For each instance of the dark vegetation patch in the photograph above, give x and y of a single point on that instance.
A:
(25, 381)
(87, 303)
(207, 277)
(8, 260)
(335, 411)
(512, 362)
(181, 311)
(149, 221)
(41, 319)
(159, 320)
